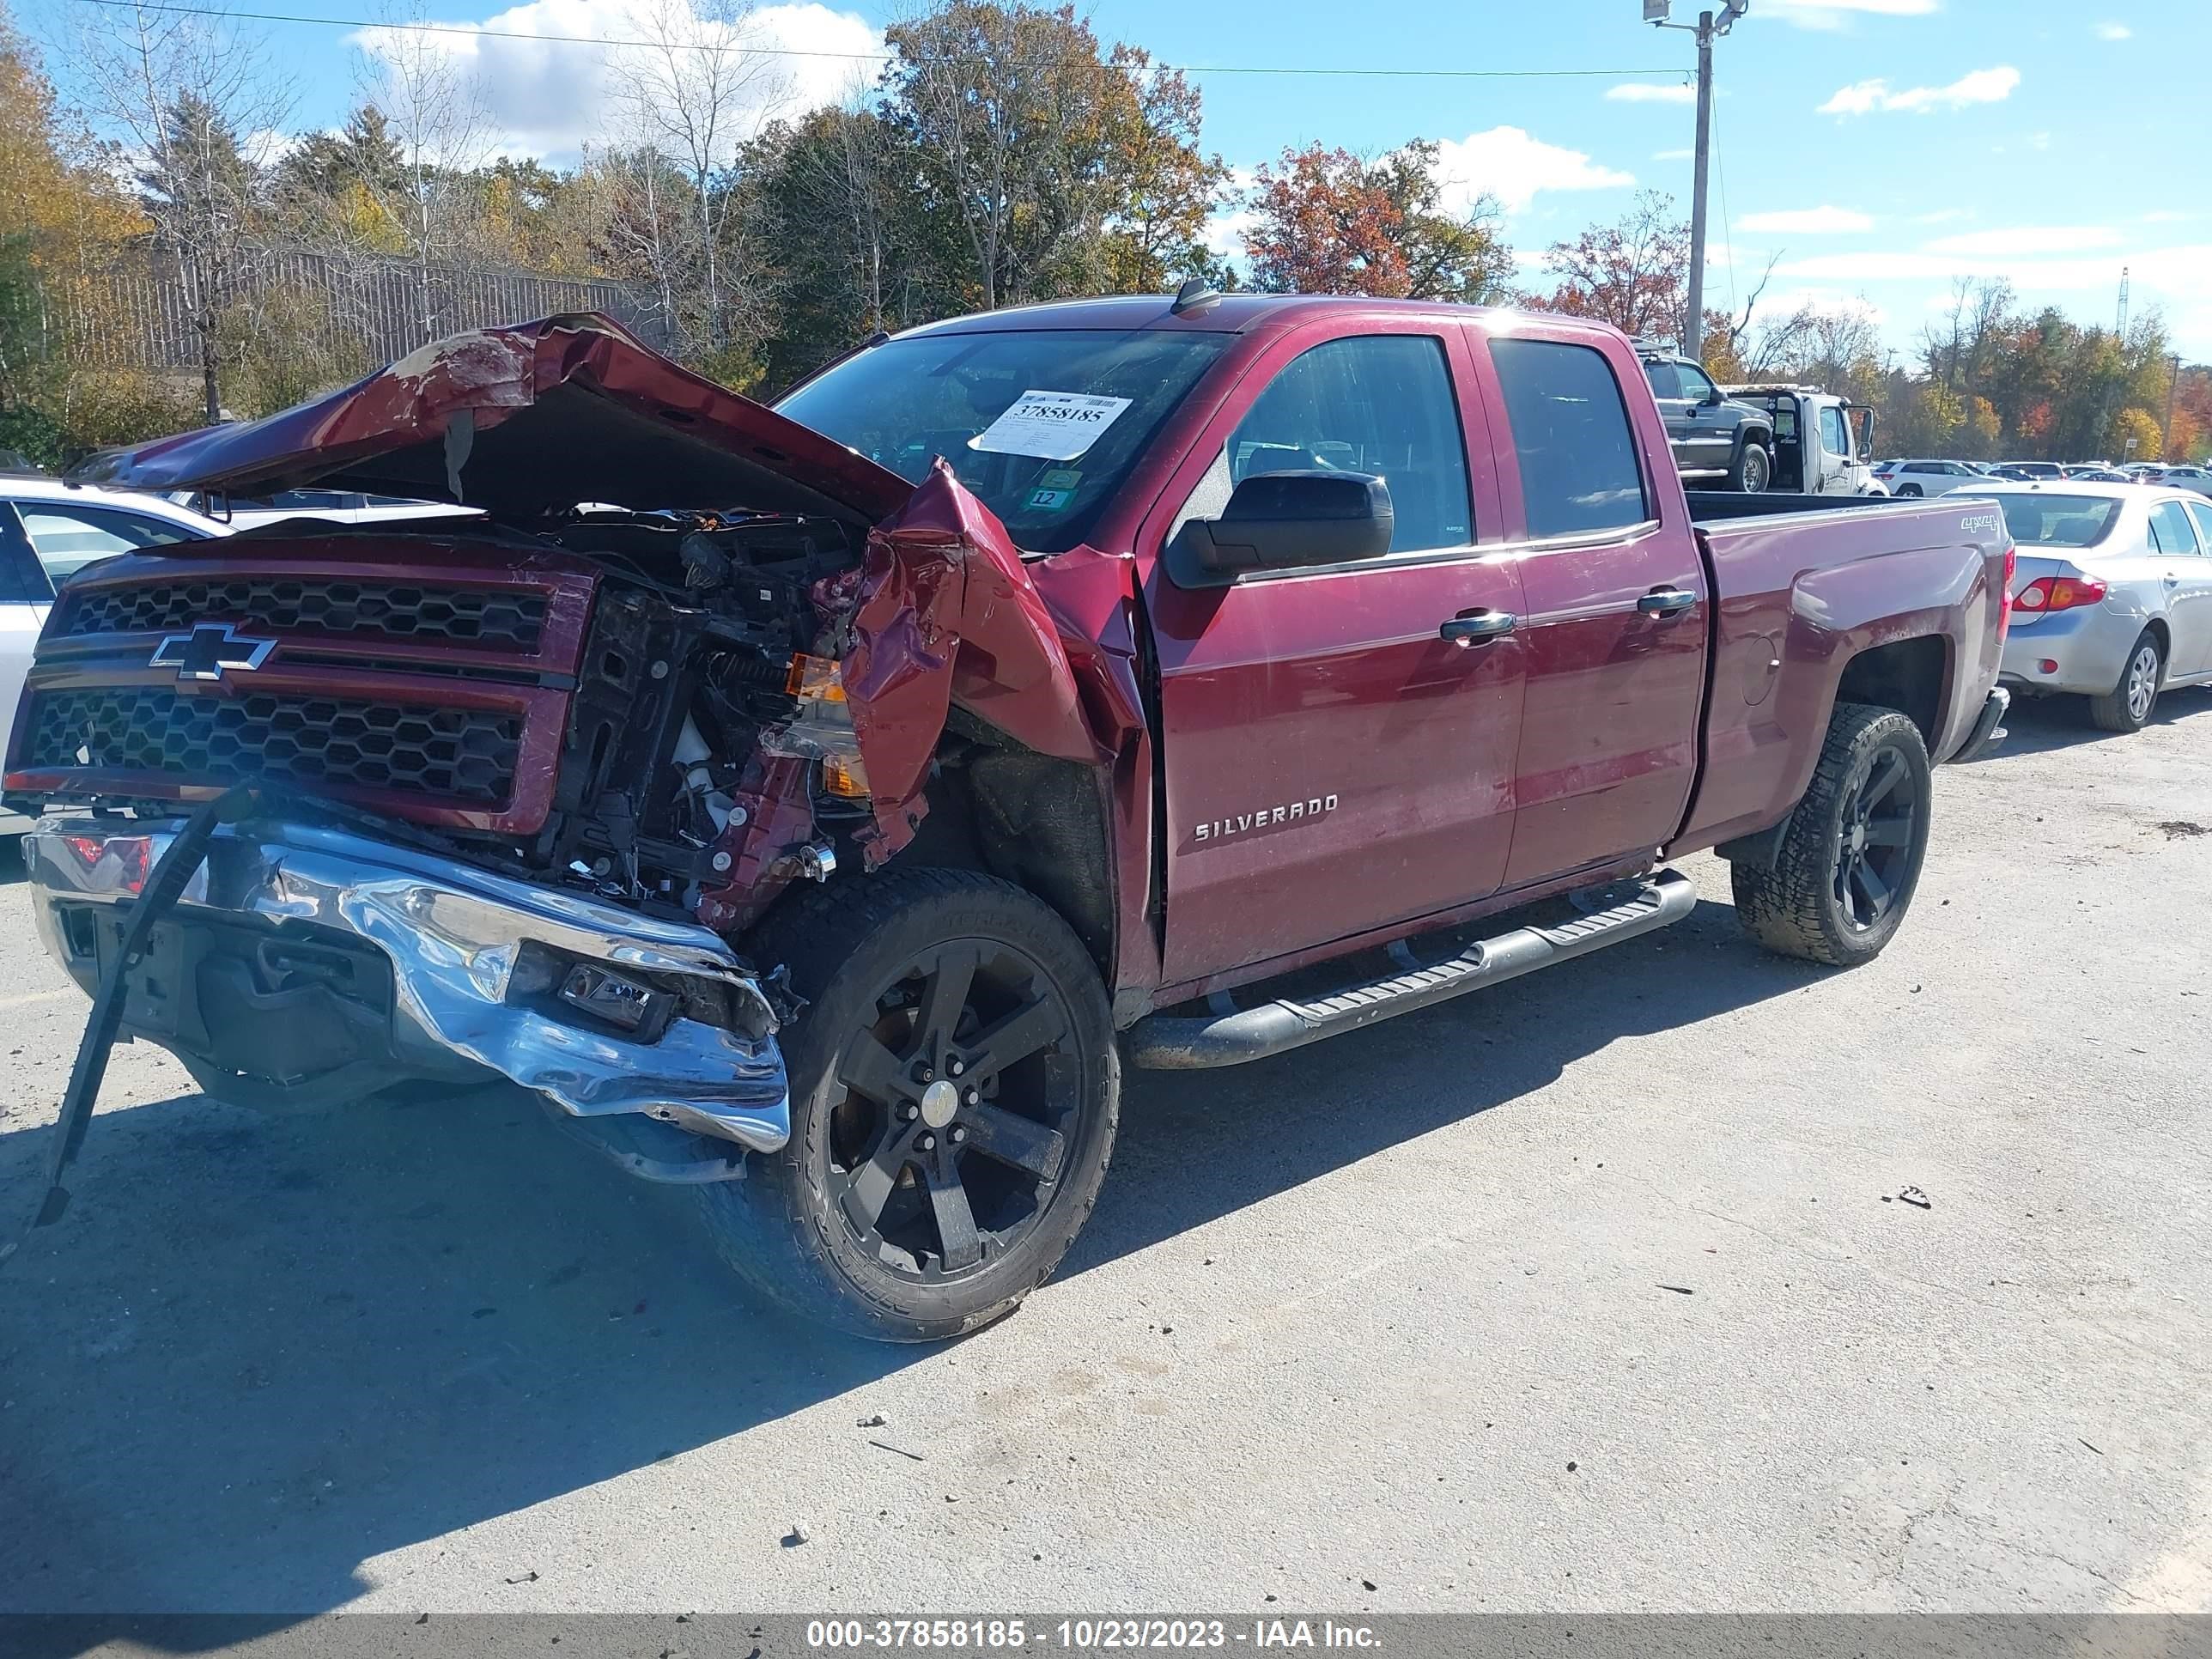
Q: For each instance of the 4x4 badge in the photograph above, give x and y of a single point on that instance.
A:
(209, 651)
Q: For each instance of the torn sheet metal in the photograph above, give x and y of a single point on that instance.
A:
(947, 613)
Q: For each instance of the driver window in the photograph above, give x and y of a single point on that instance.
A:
(1380, 403)
(1695, 384)
(1832, 431)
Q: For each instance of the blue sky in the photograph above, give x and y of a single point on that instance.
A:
(1882, 148)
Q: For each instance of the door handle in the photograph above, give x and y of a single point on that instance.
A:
(1666, 602)
(1478, 627)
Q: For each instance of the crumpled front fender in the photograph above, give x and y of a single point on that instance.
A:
(947, 613)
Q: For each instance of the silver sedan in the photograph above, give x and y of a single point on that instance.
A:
(2111, 595)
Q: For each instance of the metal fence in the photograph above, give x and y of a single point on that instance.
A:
(365, 308)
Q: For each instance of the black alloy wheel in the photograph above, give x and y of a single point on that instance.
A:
(1875, 848)
(953, 1127)
(954, 1091)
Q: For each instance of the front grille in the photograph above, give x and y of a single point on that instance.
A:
(470, 616)
(462, 755)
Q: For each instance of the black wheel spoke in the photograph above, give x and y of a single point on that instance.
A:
(1019, 1036)
(1011, 1138)
(1873, 889)
(870, 1186)
(962, 1246)
(1889, 832)
(949, 977)
(867, 1067)
(1888, 773)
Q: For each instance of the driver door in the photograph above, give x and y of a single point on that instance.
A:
(1708, 434)
(1334, 762)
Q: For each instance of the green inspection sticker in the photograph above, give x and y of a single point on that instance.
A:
(1061, 478)
(1050, 501)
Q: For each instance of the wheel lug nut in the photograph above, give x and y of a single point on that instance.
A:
(928, 1076)
(909, 1112)
(973, 1096)
(927, 1143)
(959, 1134)
(955, 1068)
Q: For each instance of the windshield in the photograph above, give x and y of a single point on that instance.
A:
(1042, 424)
(2059, 520)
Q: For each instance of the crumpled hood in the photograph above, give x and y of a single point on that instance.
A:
(522, 421)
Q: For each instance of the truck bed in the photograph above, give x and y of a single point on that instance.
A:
(1806, 584)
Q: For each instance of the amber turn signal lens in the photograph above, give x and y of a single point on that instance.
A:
(842, 774)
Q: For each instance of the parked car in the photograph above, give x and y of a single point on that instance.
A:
(1820, 441)
(48, 531)
(2013, 474)
(2112, 596)
(1714, 436)
(2196, 478)
(2030, 471)
(1926, 477)
(1076, 668)
(333, 505)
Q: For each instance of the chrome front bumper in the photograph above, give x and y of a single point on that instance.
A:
(455, 936)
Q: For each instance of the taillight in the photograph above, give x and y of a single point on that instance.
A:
(2004, 611)
(2058, 593)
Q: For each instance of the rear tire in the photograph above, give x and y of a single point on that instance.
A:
(1851, 855)
(1908, 491)
(954, 1092)
(1752, 472)
(2127, 707)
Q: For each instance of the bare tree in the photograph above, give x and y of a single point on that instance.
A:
(691, 93)
(433, 113)
(190, 96)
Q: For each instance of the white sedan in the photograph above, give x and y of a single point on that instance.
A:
(2112, 594)
(1926, 477)
(48, 531)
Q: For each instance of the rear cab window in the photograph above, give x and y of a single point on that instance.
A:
(1572, 438)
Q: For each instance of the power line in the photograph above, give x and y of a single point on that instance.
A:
(853, 57)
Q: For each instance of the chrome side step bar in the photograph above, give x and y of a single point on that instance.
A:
(1170, 1043)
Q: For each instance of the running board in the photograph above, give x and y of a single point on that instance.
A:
(1166, 1042)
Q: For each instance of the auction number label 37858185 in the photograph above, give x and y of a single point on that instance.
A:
(1083, 1635)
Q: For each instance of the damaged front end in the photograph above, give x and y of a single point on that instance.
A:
(520, 794)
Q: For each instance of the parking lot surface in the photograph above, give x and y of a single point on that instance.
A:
(1682, 1278)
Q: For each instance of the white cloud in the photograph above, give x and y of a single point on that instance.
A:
(1836, 14)
(2115, 31)
(2027, 239)
(1508, 163)
(1807, 222)
(2166, 216)
(1821, 302)
(2177, 269)
(1650, 92)
(1225, 230)
(1989, 86)
(552, 98)
(1673, 154)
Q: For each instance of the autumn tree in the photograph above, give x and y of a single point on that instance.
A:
(1323, 224)
(181, 90)
(1633, 273)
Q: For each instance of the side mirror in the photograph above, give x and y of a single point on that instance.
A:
(1714, 399)
(1281, 520)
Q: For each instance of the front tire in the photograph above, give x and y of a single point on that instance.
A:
(1908, 492)
(2127, 707)
(1752, 472)
(1851, 855)
(954, 1093)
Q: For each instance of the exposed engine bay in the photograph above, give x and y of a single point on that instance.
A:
(709, 703)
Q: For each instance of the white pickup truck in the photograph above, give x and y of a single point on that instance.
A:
(1821, 441)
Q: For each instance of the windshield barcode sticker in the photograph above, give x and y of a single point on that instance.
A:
(1051, 426)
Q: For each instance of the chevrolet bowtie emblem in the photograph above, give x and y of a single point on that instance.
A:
(209, 651)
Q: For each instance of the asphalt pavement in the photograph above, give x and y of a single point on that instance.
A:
(1683, 1278)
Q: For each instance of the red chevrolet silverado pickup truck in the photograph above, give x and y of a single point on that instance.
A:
(818, 805)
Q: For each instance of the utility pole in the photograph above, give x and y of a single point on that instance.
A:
(2165, 432)
(1709, 29)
